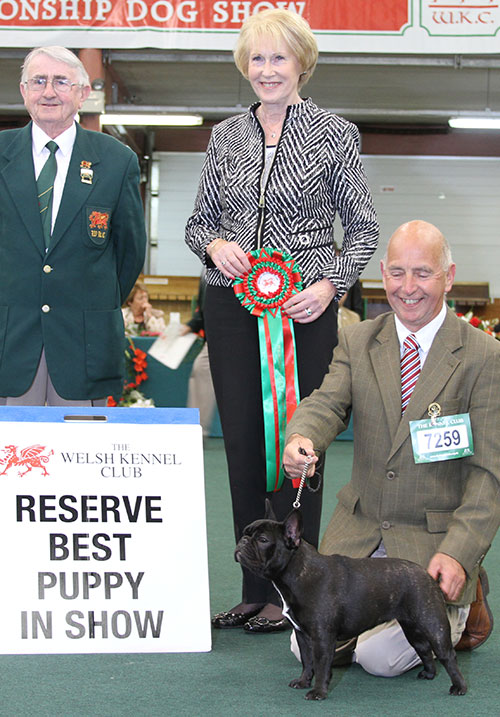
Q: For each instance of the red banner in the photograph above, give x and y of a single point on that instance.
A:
(334, 15)
(352, 26)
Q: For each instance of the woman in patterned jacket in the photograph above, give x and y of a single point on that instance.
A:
(275, 176)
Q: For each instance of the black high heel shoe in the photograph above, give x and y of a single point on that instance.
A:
(264, 624)
(224, 620)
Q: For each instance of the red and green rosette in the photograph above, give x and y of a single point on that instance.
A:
(272, 280)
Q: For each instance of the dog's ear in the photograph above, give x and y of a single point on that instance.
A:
(269, 515)
(293, 529)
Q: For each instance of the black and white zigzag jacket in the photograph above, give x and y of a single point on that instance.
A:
(316, 172)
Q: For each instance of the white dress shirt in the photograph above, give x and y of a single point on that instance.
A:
(425, 336)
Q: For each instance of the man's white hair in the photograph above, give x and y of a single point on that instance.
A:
(60, 54)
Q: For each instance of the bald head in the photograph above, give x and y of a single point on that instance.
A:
(417, 271)
(420, 231)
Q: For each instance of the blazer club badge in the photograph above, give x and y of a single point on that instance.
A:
(98, 225)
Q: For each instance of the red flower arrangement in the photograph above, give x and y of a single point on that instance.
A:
(136, 364)
(486, 325)
(140, 365)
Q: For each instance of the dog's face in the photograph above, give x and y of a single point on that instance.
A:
(267, 545)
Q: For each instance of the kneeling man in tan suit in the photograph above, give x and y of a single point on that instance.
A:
(436, 503)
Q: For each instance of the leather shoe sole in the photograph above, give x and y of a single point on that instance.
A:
(344, 651)
(225, 620)
(479, 625)
(263, 624)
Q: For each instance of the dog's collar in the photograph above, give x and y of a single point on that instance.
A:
(285, 609)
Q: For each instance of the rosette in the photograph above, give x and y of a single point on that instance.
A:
(272, 280)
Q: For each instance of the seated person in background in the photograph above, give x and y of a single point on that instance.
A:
(138, 314)
(200, 389)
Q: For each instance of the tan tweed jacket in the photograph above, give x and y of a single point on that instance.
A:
(449, 506)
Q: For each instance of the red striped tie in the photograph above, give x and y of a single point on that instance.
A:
(410, 369)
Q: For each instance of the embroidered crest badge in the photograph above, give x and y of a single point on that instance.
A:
(98, 224)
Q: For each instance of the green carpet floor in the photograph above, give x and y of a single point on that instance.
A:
(244, 675)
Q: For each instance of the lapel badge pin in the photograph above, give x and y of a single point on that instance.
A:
(86, 172)
(434, 411)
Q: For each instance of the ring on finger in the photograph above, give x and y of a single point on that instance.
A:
(308, 311)
(223, 263)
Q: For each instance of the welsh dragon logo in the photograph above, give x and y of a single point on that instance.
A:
(27, 458)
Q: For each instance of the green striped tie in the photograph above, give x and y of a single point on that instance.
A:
(45, 186)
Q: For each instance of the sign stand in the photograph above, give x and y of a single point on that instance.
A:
(104, 531)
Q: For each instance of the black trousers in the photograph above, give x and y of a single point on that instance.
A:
(233, 346)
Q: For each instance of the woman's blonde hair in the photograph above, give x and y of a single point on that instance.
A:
(279, 25)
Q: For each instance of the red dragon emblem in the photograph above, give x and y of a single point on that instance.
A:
(98, 220)
(29, 458)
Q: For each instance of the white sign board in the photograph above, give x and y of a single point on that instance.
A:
(103, 532)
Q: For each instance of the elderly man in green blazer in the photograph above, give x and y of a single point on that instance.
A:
(62, 283)
(440, 509)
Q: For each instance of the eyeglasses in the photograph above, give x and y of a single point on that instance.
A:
(59, 84)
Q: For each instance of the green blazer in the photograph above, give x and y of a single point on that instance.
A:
(449, 506)
(68, 299)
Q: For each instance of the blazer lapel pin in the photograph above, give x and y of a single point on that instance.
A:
(434, 411)
(86, 172)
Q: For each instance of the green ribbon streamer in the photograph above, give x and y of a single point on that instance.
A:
(273, 396)
(280, 392)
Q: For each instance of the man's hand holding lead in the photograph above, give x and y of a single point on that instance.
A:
(294, 456)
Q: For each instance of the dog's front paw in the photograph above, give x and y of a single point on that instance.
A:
(300, 683)
(316, 694)
(458, 689)
(426, 674)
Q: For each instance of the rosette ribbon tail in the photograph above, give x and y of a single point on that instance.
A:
(272, 280)
(280, 389)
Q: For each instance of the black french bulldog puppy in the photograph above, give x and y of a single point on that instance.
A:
(332, 597)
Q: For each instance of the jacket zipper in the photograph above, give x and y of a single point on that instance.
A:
(262, 197)
(262, 206)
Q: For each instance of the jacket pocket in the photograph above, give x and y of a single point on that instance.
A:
(104, 344)
(438, 520)
(348, 498)
(450, 407)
